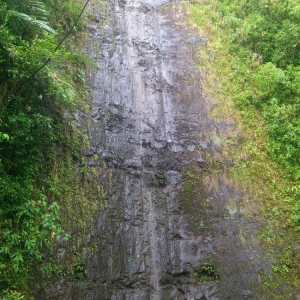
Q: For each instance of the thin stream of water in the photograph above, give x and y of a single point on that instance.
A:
(152, 132)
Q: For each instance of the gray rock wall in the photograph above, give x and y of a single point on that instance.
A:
(174, 227)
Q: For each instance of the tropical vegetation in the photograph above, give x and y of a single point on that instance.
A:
(41, 83)
(252, 65)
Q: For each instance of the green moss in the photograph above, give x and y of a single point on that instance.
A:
(260, 177)
(194, 195)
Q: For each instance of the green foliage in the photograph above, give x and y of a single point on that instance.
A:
(254, 46)
(275, 82)
(63, 15)
(262, 39)
(269, 31)
(33, 125)
(207, 272)
(11, 295)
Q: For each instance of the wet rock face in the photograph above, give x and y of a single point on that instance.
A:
(174, 227)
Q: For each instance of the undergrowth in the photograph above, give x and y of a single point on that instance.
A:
(42, 173)
(251, 64)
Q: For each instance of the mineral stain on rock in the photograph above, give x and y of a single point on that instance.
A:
(175, 226)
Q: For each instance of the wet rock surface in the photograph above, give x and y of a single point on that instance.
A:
(174, 227)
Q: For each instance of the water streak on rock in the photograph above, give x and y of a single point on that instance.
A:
(174, 228)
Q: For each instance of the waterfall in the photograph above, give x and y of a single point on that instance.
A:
(169, 230)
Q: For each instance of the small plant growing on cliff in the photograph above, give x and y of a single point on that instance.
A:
(207, 272)
(161, 181)
(11, 295)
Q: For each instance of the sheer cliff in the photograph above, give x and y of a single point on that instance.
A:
(174, 226)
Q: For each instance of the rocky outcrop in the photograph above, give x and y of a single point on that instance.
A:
(174, 227)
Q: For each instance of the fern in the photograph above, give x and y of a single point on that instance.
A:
(32, 14)
(31, 21)
(38, 10)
